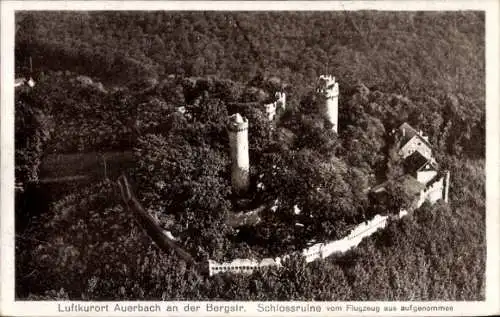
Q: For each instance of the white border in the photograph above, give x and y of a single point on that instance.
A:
(447, 5)
(11, 308)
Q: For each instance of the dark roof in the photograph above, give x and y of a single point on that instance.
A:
(414, 162)
(408, 132)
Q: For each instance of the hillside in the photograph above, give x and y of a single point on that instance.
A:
(141, 67)
(408, 53)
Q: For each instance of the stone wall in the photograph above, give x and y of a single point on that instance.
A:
(312, 253)
(425, 176)
(241, 265)
(435, 191)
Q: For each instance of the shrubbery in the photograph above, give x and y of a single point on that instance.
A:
(33, 129)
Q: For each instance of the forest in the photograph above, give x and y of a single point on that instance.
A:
(113, 82)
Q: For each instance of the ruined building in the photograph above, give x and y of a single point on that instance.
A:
(330, 88)
(276, 108)
(238, 143)
(423, 179)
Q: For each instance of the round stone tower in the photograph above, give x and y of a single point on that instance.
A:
(238, 142)
(331, 91)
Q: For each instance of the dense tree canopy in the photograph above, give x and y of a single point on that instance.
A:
(160, 85)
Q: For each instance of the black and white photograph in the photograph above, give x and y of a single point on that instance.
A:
(249, 155)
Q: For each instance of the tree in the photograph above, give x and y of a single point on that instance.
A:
(399, 196)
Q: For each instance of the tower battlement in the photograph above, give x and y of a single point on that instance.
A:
(329, 86)
(329, 79)
(237, 123)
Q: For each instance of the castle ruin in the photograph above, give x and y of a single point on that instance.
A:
(422, 175)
